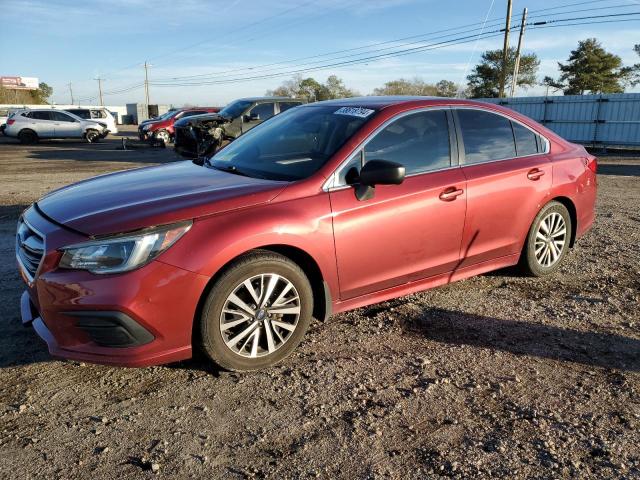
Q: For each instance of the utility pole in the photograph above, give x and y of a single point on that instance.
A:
(505, 50)
(146, 85)
(516, 67)
(100, 80)
(71, 92)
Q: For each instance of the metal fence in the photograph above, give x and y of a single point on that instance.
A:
(597, 120)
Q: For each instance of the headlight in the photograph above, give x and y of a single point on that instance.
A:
(124, 252)
(147, 126)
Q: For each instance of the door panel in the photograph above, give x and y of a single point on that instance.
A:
(404, 233)
(65, 126)
(503, 197)
(41, 123)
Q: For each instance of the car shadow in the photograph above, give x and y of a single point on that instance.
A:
(595, 349)
(627, 170)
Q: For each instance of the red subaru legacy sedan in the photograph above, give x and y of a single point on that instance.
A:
(324, 208)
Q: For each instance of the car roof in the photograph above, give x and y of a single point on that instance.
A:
(279, 99)
(380, 102)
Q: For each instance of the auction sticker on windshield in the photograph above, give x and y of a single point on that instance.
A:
(354, 111)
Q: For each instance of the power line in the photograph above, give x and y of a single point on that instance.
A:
(464, 39)
(473, 52)
(100, 80)
(369, 57)
(505, 50)
(423, 36)
(516, 67)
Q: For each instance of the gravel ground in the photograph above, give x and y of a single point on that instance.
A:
(496, 376)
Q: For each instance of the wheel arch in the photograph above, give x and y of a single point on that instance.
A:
(322, 299)
(27, 129)
(573, 214)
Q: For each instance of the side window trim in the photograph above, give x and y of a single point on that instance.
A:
(455, 151)
(545, 144)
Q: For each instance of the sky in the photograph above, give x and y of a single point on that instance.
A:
(64, 41)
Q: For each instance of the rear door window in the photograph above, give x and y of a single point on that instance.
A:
(526, 141)
(98, 114)
(486, 136)
(41, 115)
(419, 142)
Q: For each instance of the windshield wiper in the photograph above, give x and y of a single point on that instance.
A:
(230, 169)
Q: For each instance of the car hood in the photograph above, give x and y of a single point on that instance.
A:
(157, 123)
(195, 120)
(134, 199)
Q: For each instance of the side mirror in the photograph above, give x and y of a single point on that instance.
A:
(378, 172)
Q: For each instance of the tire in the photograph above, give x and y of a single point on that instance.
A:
(28, 137)
(162, 136)
(235, 347)
(542, 256)
(92, 136)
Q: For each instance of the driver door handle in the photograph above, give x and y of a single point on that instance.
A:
(450, 194)
(535, 174)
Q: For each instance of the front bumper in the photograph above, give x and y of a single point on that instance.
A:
(139, 318)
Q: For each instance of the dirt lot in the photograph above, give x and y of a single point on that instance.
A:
(497, 376)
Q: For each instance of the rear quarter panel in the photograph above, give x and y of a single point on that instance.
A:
(573, 180)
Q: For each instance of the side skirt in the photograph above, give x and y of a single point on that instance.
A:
(427, 283)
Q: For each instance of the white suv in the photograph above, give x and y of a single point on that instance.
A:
(31, 125)
(97, 115)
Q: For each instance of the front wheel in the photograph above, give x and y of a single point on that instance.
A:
(256, 313)
(163, 136)
(548, 240)
(92, 136)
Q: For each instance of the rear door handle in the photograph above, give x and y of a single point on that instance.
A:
(450, 194)
(535, 174)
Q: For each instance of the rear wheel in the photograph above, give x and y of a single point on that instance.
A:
(256, 313)
(548, 240)
(28, 136)
(92, 136)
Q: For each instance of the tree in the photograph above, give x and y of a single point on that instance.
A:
(484, 81)
(43, 92)
(632, 74)
(311, 90)
(401, 86)
(417, 86)
(337, 89)
(590, 68)
(446, 88)
(26, 97)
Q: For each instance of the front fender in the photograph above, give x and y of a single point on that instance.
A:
(303, 223)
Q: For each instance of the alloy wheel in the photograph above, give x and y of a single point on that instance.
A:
(163, 136)
(260, 315)
(551, 237)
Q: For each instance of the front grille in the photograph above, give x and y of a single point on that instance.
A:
(29, 248)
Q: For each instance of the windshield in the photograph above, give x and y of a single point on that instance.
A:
(292, 145)
(235, 108)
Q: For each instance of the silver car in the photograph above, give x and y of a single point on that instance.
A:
(31, 125)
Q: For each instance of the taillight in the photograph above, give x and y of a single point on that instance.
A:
(592, 164)
(11, 122)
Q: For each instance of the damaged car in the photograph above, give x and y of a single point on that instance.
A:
(200, 136)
